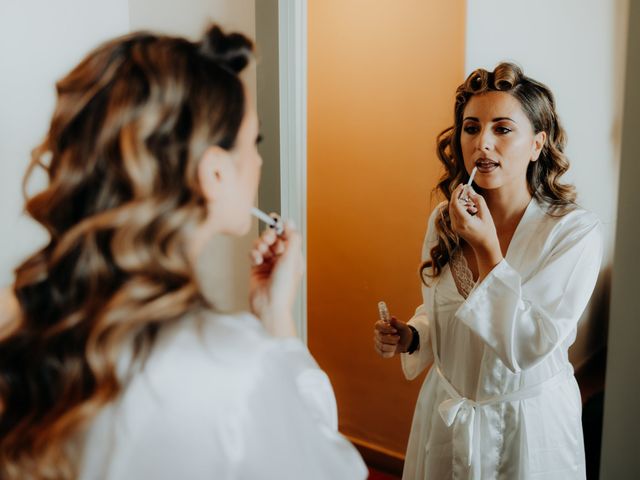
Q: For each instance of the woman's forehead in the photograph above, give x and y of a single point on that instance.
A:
(489, 105)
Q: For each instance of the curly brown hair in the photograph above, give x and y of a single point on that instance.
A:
(131, 122)
(543, 176)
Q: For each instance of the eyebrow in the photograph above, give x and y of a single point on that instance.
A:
(497, 119)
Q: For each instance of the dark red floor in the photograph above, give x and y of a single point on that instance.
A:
(376, 475)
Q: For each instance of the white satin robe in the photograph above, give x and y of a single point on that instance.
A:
(504, 403)
(221, 399)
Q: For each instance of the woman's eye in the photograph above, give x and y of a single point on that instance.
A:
(503, 130)
(471, 129)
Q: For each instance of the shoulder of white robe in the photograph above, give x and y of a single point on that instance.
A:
(579, 223)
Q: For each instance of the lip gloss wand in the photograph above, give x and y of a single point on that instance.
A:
(466, 198)
(274, 221)
(473, 174)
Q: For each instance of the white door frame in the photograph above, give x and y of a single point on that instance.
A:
(292, 45)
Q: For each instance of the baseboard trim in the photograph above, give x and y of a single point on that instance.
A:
(378, 457)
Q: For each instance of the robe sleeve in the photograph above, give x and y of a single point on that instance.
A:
(413, 364)
(290, 430)
(524, 321)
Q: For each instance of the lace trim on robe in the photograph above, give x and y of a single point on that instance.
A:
(462, 274)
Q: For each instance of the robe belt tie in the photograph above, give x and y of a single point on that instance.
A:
(465, 414)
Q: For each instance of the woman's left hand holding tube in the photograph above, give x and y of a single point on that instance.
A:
(472, 220)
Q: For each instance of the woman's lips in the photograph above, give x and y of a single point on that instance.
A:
(486, 166)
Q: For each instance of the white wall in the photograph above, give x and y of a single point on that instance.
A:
(40, 41)
(577, 48)
(620, 448)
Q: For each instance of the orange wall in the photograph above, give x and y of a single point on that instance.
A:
(382, 77)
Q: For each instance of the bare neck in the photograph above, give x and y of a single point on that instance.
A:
(507, 206)
(9, 313)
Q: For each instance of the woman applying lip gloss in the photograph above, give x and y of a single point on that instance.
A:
(509, 265)
(114, 364)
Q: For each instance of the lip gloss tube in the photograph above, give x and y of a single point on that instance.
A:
(383, 311)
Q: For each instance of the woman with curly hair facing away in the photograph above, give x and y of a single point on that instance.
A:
(509, 264)
(112, 363)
